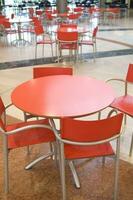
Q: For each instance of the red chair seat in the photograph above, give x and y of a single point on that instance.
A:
(87, 42)
(29, 137)
(124, 104)
(68, 46)
(77, 152)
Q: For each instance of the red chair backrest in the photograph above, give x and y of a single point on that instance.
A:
(38, 29)
(49, 71)
(39, 12)
(78, 9)
(129, 76)
(6, 24)
(67, 36)
(2, 17)
(95, 31)
(90, 131)
(49, 16)
(74, 16)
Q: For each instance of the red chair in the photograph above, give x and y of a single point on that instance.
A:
(88, 139)
(74, 17)
(90, 40)
(39, 13)
(78, 9)
(23, 134)
(50, 71)
(67, 41)
(9, 29)
(45, 39)
(125, 103)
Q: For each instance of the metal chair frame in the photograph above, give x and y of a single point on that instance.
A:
(6, 149)
(62, 158)
(126, 84)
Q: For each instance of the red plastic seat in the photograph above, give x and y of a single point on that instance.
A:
(22, 134)
(125, 103)
(87, 139)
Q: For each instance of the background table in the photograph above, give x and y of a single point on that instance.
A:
(62, 96)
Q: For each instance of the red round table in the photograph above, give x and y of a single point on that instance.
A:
(62, 96)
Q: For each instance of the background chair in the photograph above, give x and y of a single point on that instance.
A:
(124, 103)
(23, 134)
(67, 41)
(88, 139)
(49, 71)
(90, 40)
(43, 39)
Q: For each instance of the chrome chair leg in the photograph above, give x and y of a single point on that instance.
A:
(6, 171)
(116, 169)
(30, 165)
(62, 167)
(74, 173)
(131, 147)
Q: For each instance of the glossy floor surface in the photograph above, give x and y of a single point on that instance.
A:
(114, 53)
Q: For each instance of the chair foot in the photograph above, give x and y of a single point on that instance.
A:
(74, 173)
(34, 162)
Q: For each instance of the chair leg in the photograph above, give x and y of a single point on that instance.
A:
(74, 173)
(103, 161)
(116, 169)
(28, 150)
(99, 115)
(6, 171)
(43, 50)
(52, 50)
(30, 165)
(125, 119)
(36, 52)
(62, 167)
(94, 53)
(131, 147)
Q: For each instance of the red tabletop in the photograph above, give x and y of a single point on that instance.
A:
(62, 96)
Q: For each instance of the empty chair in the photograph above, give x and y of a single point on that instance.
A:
(43, 39)
(22, 134)
(88, 139)
(67, 41)
(9, 29)
(124, 103)
(89, 40)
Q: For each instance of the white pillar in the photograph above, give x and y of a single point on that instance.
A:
(62, 6)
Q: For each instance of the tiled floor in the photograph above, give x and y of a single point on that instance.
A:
(114, 53)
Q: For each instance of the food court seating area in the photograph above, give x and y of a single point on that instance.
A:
(63, 94)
